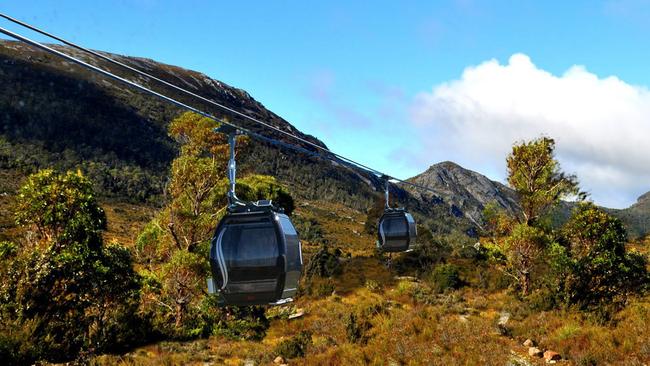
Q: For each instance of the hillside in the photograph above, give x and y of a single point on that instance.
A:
(444, 303)
(636, 217)
(56, 114)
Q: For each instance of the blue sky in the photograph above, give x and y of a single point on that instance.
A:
(361, 75)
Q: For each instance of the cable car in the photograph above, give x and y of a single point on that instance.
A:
(255, 254)
(396, 231)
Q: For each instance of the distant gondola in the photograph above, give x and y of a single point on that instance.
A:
(255, 254)
(396, 230)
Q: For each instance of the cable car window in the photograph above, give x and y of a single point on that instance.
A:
(250, 246)
(395, 226)
(294, 258)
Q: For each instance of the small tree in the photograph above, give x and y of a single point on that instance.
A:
(535, 174)
(60, 208)
(72, 291)
(604, 272)
(523, 249)
(174, 246)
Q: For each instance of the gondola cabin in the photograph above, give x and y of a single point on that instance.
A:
(396, 231)
(255, 256)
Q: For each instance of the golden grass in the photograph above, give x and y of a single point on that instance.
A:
(456, 328)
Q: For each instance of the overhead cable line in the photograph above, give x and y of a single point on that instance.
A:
(178, 88)
(338, 158)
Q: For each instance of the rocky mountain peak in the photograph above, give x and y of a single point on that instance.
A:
(465, 190)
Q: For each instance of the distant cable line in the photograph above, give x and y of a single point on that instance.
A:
(331, 156)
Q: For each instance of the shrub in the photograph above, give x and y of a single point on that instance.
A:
(446, 276)
(324, 263)
(7, 249)
(356, 328)
(71, 291)
(604, 274)
(296, 346)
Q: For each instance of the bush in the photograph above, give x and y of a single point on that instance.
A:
(296, 346)
(356, 328)
(7, 249)
(603, 274)
(324, 263)
(446, 276)
(70, 291)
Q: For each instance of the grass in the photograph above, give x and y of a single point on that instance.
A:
(405, 321)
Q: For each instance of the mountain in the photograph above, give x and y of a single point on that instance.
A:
(57, 114)
(54, 113)
(466, 191)
(636, 217)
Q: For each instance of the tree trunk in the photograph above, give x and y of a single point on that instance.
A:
(525, 283)
(180, 312)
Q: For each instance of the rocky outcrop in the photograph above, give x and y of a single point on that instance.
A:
(465, 191)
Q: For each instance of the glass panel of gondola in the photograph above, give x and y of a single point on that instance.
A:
(394, 232)
(293, 257)
(253, 265)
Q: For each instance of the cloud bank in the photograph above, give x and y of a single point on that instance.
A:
(601, 125)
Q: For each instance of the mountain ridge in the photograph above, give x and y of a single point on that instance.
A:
(59, 114)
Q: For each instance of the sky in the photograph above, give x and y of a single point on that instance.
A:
(402, 85)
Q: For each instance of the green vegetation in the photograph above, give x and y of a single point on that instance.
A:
(65, 292)
(73, 287)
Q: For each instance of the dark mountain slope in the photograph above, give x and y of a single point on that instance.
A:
(56, 114)
(636, 217)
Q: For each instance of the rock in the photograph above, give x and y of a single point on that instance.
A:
(529, 343)
(535, 352)
(297, 314)
(504, 317)
(552, 356)
(278, 360)
(249, 363)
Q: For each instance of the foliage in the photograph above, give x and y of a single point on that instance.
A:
(7, 249)
(521, 253)
(324, 263)
(356, 328)
(296, 346)
(535, 174)
(604, 273)
(241, 322)
(446, 276)
(428, 251)
(61, 208)
(264, 187)
(70, 292)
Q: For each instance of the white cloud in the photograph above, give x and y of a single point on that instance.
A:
(601, 125)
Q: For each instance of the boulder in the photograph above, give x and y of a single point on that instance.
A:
(529, 343)
(297, 314)
(552, 356)
(535, 352)
(278, 360)
(504, 317)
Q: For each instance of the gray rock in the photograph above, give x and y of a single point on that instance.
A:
(535, 352)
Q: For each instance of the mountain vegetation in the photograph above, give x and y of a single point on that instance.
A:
(109, 199)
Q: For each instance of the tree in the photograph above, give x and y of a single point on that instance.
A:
(174, 246)
(72, 292)
(535, 174)
(604, 272)
(60, 209)
(523, 249)
(195, 177)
